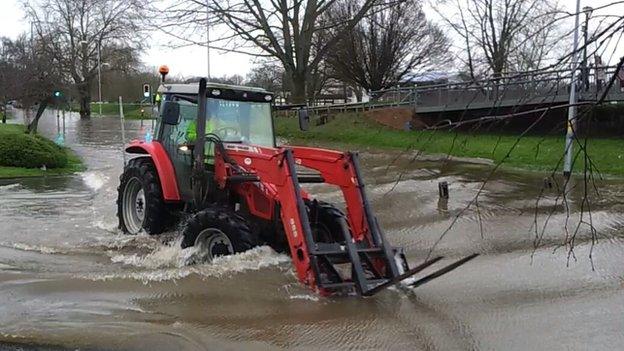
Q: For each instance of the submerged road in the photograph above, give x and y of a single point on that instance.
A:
(69, 279)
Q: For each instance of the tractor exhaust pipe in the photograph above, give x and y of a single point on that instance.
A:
(198, 166)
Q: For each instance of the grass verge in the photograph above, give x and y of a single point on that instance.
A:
(23, 155)
(131, 111)
(532, 152)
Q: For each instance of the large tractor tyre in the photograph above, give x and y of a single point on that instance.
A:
(325, 221)
(217, 231)
(140, 204)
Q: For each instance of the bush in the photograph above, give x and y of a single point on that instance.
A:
(18, 149)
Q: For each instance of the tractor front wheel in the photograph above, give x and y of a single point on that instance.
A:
(325, 221)
(217, 231)
(140, 204)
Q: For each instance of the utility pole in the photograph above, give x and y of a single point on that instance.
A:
(587, 10)
(208, 39)
(84, 43)
(99, 48)
(571, 127)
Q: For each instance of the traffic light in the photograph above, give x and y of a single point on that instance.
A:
(146, 90)
(58, 94)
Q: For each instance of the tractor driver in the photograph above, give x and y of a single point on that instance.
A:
(191, 136)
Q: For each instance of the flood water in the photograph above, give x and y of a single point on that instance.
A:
(70, 279)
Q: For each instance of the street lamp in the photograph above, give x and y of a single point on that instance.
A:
(99, 67)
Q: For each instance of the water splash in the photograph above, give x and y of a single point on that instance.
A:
(305, 297)
(13, 186)
(170, 262)
(34, 248)
(94, 180)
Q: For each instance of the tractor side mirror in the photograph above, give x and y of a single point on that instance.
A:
(171, 113)
(304, 119)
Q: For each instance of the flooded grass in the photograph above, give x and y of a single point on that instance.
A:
(531, 152)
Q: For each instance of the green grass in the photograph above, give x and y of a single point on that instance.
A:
(532, 152)
(131, 111)
(21, 155)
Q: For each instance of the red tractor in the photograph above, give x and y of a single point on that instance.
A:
(214, 158)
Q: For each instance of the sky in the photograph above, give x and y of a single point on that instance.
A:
(191, 61)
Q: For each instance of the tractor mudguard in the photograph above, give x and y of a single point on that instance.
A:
(166, 172)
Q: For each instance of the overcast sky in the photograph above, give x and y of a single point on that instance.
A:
(191, 61)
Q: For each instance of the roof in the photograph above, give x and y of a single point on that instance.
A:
(193, 88)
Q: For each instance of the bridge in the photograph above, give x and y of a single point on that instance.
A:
(524, 89)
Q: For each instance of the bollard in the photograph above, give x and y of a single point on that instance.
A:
(548, 183)
(443, 190)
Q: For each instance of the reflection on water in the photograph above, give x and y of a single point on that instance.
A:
(69, 279)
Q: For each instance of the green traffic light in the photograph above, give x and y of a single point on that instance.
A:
(57, 94)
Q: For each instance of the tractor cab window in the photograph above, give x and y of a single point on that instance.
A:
(184, 132)
(247, 122)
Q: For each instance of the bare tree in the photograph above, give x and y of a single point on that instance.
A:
(27, 75)
(77, 31)
(386, 45)
(267, 75)
(282, 29)
(235, 79)
(502, 35)
(540, 44)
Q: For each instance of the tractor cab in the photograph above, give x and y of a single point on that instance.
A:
(232, 114)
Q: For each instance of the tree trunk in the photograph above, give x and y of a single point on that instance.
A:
(358, 93)
(32, 126)
(298, 88)
(84, 97)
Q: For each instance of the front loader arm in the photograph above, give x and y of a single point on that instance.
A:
(276, 168)
(337, 168)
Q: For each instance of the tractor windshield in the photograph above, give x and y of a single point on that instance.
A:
(247, 122)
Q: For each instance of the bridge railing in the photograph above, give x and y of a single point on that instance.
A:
(519, 88)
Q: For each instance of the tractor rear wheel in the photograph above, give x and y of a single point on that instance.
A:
(217, 231)
(140, 204)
